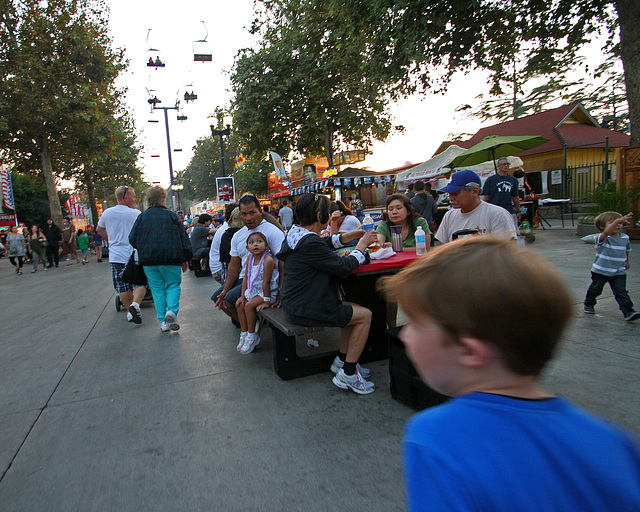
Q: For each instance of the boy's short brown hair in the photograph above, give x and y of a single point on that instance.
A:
(604, 218)
(493, 290)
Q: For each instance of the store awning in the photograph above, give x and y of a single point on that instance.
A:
(280, 193)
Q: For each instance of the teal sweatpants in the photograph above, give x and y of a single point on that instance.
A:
(164, 281)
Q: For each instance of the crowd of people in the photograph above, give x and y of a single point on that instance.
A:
(466, 454)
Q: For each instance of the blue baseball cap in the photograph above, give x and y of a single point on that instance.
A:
(460, 180)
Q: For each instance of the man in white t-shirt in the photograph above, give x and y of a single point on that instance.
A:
(470, 214)
(251, 215)
(114, 226)
(286, 216)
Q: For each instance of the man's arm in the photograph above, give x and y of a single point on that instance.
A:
(232, 276)
(102, 232)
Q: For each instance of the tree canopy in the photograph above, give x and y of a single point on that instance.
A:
(57, 94)
(417, 45)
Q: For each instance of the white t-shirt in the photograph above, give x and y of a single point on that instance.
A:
(118, 221)
(215, 265)
(350, 223)
(274, 235)
(286, 216)
(485, 218)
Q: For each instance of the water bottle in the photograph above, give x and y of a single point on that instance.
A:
(421, 244)
(367, 223)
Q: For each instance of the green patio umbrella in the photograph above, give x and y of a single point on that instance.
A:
(494, 147)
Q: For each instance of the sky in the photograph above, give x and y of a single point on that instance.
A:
(428, 119)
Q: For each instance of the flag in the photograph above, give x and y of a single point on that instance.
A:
(7, 189)
(278, 165)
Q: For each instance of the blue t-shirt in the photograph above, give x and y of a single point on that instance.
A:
(501, 191)
(493, 453)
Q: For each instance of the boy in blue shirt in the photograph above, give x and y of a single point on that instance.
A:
(502, 443)
(611, 264)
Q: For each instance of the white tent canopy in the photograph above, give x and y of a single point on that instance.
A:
(437, 166)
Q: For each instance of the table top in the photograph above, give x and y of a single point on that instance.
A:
(398, 260)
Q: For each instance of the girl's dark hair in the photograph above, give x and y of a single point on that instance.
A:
(407, 204)
(308, 207)
(339, 205)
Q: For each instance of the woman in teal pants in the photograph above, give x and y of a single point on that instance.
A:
(163, 251)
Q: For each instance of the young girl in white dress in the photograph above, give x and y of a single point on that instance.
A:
(259, 289)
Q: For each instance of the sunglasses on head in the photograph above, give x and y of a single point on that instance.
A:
(125, 191)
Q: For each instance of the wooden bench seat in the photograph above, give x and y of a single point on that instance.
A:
(286, 362)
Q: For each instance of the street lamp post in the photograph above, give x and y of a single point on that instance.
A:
(227, 132)
(178, 187)
(166, 125)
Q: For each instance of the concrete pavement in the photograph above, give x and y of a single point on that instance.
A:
(99, 414)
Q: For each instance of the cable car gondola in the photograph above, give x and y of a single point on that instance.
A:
(201, 48)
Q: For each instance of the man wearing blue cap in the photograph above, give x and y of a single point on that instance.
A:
(470, 213)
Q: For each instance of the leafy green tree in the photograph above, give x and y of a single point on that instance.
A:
(30, 195)
(419, 44)
(307, 88)
(56, 67)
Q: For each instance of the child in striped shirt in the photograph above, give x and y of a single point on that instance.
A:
(611, 264)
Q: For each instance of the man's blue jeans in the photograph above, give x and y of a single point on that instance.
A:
(618, 285)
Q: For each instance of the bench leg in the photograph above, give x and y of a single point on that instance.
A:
(288, 365)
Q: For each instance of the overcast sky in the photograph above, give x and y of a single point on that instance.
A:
(428, 119)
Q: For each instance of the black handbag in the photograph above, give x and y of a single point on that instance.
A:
(134, 273)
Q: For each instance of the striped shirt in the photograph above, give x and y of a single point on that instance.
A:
(611, 255)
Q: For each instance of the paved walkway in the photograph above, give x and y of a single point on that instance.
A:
(97, 414)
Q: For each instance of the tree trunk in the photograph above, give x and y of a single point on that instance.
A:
(91, 196)
(52, 192)
(328, 143)
(629, 20)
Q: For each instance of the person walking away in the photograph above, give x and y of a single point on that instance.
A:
(425, 206)
(259, 289)
(16, 248)
(501, 189)
(36, 241)
(114, 226)
(97, 240)
(467, 454)
(164, 250)
(286, 216)
(53, 235)
(69, 246)
(83, 245)
(611, 264)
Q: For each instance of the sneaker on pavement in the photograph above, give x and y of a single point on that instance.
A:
(134, 309)
(250, 343)
(164, 327)
(171, 318)
(243, 338)
(338, 364)
(632, 315)
(590, 310)
(353, 382)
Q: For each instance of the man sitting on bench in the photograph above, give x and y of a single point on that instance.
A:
(199, 242)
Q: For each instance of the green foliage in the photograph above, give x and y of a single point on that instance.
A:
(308, 88)
(609, 197)
(30, 195)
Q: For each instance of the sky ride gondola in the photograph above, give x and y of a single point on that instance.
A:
(151, 63)
(201, 48)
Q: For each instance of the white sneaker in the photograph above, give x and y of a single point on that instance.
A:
(251, 341)
(337, 365)
(136, 315)
(171, 318)
(164, 327)
(129, 317)
(353, 382)
(243, 339)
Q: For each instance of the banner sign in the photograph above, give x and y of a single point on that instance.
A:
(7, 189)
